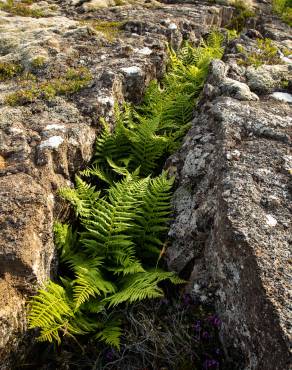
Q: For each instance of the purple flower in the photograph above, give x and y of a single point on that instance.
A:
(197, 326)
(215, 321)
(110, 354)
(205, 335)
(187, 299)
(211, 364)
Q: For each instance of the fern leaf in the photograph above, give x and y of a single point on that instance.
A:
(141, 286)
(111, 334)
(89, 283)
(83, 197)
(65, 239)
(50, 311)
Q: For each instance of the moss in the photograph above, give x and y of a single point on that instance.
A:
(22, 8)
(73, 81)
(266, 53)
(109, 29)
(9, 70)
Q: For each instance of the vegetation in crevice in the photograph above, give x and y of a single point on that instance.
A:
(122, 202)
(21, 8)
(9, 70)
(73, 80)
(284, 9)
(110, 29)
(266, 52)
(242, 14)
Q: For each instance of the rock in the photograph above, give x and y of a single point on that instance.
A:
(97, 4)
(220, 217)
(282, 96)
(227, 86)
(266, 78)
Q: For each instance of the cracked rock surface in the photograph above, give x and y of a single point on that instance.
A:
(232, 225)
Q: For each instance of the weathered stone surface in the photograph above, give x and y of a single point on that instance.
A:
(233, 218)
(266, 79)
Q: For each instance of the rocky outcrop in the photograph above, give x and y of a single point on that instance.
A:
(232, 228)
(48, 131)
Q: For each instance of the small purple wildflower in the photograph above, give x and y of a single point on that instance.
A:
(110, 354)
(211, 364)
(187, 299)
(197, 326)
(215, 321)
(206, 335)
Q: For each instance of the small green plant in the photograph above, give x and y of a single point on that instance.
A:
(38, 62)
(114, 256)
(243, 13)
(9, 70)
(266, 53)
(21, 8)
(231, 35)
(73, 81)
(284, 9)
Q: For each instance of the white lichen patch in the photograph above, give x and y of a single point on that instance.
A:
(106, 100)
(282, 96)
(53, 142)
(143, 51)
(133, 70)
(55, 126)
(271, 221)
(172, 26)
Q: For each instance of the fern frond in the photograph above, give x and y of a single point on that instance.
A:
(154, 213)
(65, 239)
(51, 311)
(89, 283)
(141, 286)
(83, 197)
(101, 173)
(146, 145)
(111, 333)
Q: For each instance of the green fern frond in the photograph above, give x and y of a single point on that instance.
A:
(154, 213)
(51, 311)
(146, 145)
(83, 197)
(65, 239)
(101, 173)
(89, 283)
(141, 286)
(111, 333)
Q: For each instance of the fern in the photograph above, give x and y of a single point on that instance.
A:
(51, 311)
(154, 215)
(89, 283)
(111, 333)
(109, 259)
(82, 198)
(141, 286)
